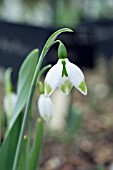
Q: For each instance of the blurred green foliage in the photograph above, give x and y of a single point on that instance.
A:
(3, 124)
(74, 121)
(60, 12)
(100, 167)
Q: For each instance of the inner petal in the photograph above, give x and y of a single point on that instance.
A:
(65, 85)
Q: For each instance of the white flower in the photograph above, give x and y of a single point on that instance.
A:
(9, 103)
(65, 75)
(45, 107)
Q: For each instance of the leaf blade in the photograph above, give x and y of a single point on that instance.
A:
(22, 161)
(8, 148)
(37, 145)
(24, 83)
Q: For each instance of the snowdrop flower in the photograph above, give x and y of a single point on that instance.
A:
(9, 103)
(64, 75)
(45, 107)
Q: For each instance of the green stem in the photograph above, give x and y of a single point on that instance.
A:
(30, 123)
(28, 105)
(43, 70)
(48, 44)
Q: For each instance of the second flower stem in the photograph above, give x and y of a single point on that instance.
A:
(28, 106)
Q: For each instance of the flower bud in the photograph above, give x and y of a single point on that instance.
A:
(62, 52)
(45, 107)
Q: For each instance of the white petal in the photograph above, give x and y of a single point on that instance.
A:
(65, 85)
(52, 78)
(45, 107)
(9, 103)
(76, 77)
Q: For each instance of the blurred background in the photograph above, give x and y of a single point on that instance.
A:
(80, 136)
(59, 13)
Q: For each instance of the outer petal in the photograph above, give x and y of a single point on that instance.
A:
(52, 78)
(76, 77)
(45, 107)
(65, 85)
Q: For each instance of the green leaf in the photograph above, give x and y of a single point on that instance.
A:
(22, 161)
(100, 167)
(8, 148)
(36, 148)
(3, 124)
(25, 78)
(74, 121)
(27, 70)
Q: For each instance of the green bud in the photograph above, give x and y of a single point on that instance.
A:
(25, 138)
(41, 88)
(62, 52)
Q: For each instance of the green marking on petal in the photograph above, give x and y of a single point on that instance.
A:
(47, 118)
(64, 71)
(66, 87)
(82, 86)
(48, 88)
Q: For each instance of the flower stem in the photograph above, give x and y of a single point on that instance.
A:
(28, 106)
(51, 41)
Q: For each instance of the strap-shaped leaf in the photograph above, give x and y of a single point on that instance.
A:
(8, 148)
(22, 161)
(36, 148)
(25, 78)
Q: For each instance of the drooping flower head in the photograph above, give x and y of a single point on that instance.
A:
(64, 75)
(45, 105)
